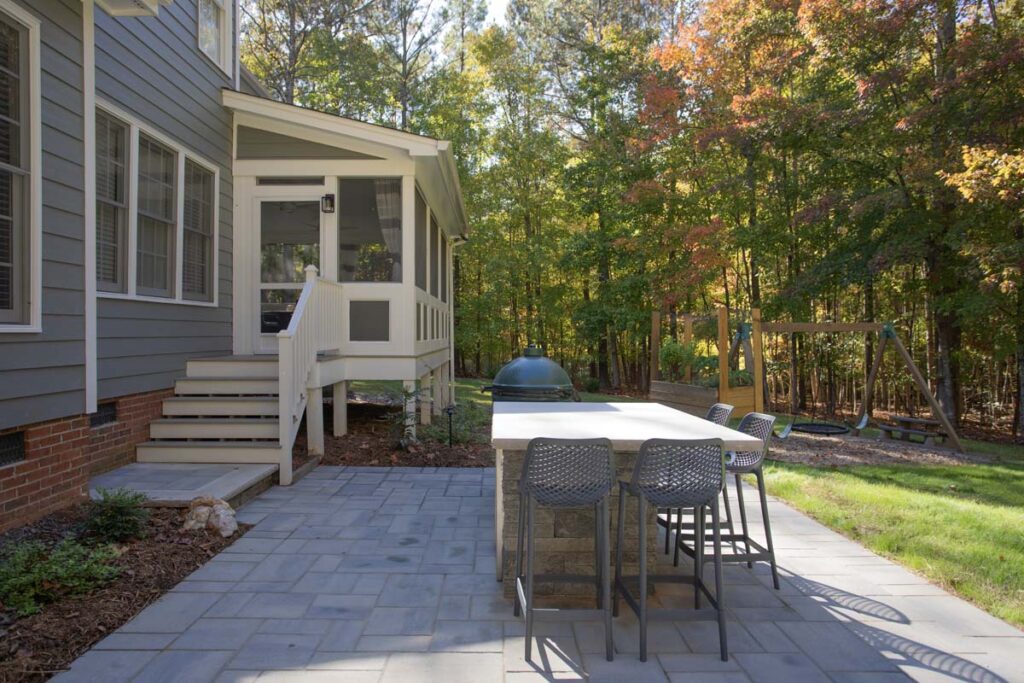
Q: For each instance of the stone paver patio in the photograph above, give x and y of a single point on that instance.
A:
(387, 574)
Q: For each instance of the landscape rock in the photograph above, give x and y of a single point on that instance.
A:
(211, 513)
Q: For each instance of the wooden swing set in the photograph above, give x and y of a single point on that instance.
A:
(747, 338)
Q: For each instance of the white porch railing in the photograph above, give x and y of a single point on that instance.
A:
(315, 326)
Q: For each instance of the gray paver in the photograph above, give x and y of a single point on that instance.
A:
(106, 666)
(373, 574)
(195, 667)
(450, 667)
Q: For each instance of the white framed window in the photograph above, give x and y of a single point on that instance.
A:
(156, 215)
(214, 31)
(111, 203)
(20, 154)
(197, 244)
(156, 220)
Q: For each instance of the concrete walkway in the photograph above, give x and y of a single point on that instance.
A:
(374, 574)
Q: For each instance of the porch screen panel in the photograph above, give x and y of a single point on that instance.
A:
(421, 242)
(370, 230)
(111, 202)
(156, 219)
(197, 275)
(13, 172)
(435, 261)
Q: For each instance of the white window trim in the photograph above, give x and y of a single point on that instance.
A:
(227, 34)
(35, 203)
(135, 127)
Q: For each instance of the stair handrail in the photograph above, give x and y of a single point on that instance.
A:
(315, 327)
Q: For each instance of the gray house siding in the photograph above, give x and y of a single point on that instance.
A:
(152, 69)
(44, 374)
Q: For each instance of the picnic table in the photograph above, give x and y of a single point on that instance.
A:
(907, 426)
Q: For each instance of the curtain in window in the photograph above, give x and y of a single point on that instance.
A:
(389, 213)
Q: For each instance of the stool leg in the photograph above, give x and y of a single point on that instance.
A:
(728, 515)
(767, 526)
(641, 522)
(606, 601)
(698, 559)
(530, 510)
(618, 552)
(679, 536)
(520, 531)
(719, 602)
(668, 528)
(743, 517)
(597, 555)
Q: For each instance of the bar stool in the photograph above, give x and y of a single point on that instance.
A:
(719, 414)
(738, 464)
(674, 474)
(565, 473)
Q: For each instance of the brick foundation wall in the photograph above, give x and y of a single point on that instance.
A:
(61, 455)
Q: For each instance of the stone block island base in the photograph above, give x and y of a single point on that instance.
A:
(564, 539)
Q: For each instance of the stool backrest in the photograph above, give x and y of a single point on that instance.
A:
(568, 472)
(719, 413)
(761, 426)
(676, 473)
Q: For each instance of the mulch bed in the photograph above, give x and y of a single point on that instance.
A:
(844, 450)
(370, 442)
(36, 647)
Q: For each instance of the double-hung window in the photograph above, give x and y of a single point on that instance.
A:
(156, 216)
(111, 203)
(197, 247)
(19, 292)
(157, 201)
(215, 31)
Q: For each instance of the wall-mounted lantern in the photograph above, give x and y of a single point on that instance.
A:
(327, 203)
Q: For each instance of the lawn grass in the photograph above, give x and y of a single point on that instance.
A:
(959, 526)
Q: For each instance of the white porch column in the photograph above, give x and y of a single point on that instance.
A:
(426, 396)
(340, 396)
(437, 390)
(315, 421)
(410, 407)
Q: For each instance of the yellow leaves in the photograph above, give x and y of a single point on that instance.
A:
(989, 175)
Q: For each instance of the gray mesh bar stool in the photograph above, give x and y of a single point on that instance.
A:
(738, 464)
(565, 473)
(673, 474)
(719, 413)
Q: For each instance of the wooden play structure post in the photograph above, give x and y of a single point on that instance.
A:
(655, 345)
(688, 339)
(723, 352)
(887, 334)
(758, 369)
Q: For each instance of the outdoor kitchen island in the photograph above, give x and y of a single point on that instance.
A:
(565, 538)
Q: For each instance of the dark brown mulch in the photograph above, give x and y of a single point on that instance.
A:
(370, 442)
(36, 647)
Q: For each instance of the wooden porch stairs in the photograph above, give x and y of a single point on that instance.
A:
(225, 410)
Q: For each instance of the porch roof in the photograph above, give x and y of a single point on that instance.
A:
(439, 178)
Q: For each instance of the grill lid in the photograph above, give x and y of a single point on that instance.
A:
(532, 376)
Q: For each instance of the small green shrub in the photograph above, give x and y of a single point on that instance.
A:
(591, 384)
(675, 358)
(32, 575)
(117, 516)
(469, 425)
